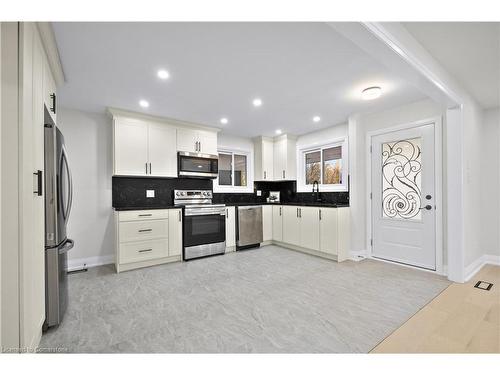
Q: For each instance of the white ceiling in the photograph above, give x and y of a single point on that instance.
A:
(216, 69)
(470, 51)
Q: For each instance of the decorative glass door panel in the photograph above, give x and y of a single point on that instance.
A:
(402, 179)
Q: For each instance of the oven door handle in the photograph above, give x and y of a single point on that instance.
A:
(204, 213)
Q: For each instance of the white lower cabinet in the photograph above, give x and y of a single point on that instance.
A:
(147, 237)
(277, 223)
(267, 223)
(174, 232)
(328, 229)
(230, 228)
(291, 225)
(309, 227)
(324, 230)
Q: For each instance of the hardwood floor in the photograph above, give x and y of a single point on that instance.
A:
(462, 319)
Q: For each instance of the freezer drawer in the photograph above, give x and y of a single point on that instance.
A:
(249, 226)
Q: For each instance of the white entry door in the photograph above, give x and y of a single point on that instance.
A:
(403, 196)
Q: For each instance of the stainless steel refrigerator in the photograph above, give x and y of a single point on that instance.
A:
(58, 201)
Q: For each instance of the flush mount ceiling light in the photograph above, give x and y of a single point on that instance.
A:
(257, 102)
(278, 131)
(144, 103)
(371, 93)
(316, 119)
(163, 74)
(224, 120)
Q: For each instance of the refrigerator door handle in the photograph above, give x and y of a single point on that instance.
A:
(68, 245)
(70, 183)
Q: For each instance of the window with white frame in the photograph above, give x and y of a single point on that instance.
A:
(326, 165)
(234, 176)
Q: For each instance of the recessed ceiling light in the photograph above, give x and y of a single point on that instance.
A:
(257, 102)
(224, 120)
(144, 103)
(316, 119)
(278, 131)
(163, 74)
(371, 93)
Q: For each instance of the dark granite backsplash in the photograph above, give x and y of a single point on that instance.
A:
(131, 192)
(288, 194)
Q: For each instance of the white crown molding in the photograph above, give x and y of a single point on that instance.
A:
(50, 46)
(117, 112)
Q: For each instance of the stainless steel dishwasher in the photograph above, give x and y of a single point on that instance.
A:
(249, 227)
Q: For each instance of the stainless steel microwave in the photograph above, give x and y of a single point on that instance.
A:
(196, 165)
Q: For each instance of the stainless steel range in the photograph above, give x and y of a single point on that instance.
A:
(204, 224)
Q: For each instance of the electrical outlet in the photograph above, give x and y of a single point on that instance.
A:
(259, 193)
(150, 193)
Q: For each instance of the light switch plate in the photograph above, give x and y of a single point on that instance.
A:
(150, 193)
(259, 193)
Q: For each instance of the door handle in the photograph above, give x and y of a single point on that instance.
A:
(427, 207)
(150, 168)
(145, 230)
(180, 216)
(39, 182)
(320, 214)
(283, 173)
(53, 108)
(264, 175)
(428, 196)
(146, 167)
(280, 210)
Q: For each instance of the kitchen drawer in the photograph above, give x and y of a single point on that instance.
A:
(143, 230)
(142, 215)
(131, 252)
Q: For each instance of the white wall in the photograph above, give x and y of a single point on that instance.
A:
(489, 159)
(323, 136)
(88, 138)
(359, 126)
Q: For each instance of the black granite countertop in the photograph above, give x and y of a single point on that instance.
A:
(144, 208)
(302, 204)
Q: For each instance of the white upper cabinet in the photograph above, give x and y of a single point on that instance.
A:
(187, 140)
(208, 142)
(130, 147)
(162, 157)
(264, 150)
(192, 140)
(49, 91)
(143, 148)
(284, 158)
(309, 227)
(275, 159)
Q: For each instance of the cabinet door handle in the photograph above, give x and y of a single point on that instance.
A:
(146, 167)
(180, 216)
(320, 214)
(199, 145)
(145, 215)
(150, 168)
(145, 250)
(297, 212)
(145, 230)
(53, 97)
(264, 175)
(226, 213)
(300, 212)
(283, 174)
(39, 182)
(280, 211)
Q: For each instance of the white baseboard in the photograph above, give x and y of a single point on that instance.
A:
(479, 263)
(76, 264)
